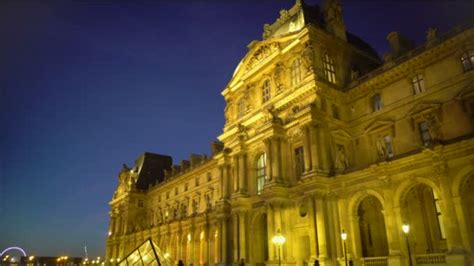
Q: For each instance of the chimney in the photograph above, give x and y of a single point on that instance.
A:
(399, 44)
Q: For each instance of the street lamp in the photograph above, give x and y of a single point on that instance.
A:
(344, 238)
(279, 240)
(406, 229)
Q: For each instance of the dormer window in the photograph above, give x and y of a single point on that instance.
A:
(296, 72)
(418, 84)
(266, 91)
(467, 60)
(329, 69)
(377, 102)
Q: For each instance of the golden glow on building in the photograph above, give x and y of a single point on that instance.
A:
(348, 158)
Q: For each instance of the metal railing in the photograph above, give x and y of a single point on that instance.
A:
(375, 261)
(431, 259)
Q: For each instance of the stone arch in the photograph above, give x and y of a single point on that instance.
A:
(407, 185)
(356, 199)
(466, 211)
(460, 178)
(419, 200)
(372, 227)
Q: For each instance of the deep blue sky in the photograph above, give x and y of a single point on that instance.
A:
(87, 87)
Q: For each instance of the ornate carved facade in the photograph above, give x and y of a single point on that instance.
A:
(321, 136)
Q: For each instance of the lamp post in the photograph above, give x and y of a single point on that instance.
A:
(406, 229)
(278, 240)
(344, 238)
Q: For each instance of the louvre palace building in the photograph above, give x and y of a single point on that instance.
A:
(329, 155)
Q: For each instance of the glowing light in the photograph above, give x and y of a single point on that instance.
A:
(343, 235)
(202, 235)
(10, 248)
(110, 233)
(31, 258)
(406, 228)
(189, 237)
(278, 239)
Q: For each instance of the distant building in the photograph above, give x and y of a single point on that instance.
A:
(321, 137)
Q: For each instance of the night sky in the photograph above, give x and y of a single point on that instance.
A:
(86, 87)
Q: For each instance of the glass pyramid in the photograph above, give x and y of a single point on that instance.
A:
(146, 254)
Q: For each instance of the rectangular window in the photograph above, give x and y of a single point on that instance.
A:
(296, 72)
(299, 161)
(186, 186)
(261, 172)
(159, 198)
(176, 191)
(425, 133)
(266, 91)
(442, 232)
(467, 60)
(335, 111)
(329, 68)
(167, 195)
(418, 84)
(376, 102)
(196, 181)
(388, 145)
(140, 203)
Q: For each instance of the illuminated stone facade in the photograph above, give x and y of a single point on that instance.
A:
(321, 136)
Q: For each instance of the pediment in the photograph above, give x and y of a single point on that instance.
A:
(258, 55)
(423, 108)
(341, 133)
(465, 93)
(378, 125)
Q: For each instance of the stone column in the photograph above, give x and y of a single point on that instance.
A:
(456, 250)
(459, 207)
(235, 238)
(314, 147)
(268, 153)
(276, 159)
(243, 237)
(235, 175)
(325, 150)
(224, 241)
(312, 230)
(451, 224)
(271, 232)
(321, 229)
(242, 157)
(337, 228)
(306, 149)
(393, 240)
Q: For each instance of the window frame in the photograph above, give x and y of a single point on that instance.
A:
(418, 84)
(424, 133)
(299, 161)
(329, 68)
(377, 103)
(266, 91)
(261, 171)
(467, 60)
(295, 72)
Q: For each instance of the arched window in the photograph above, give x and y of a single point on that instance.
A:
(261, 173)
(266, 91)
(467, 60)
(296, 72)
